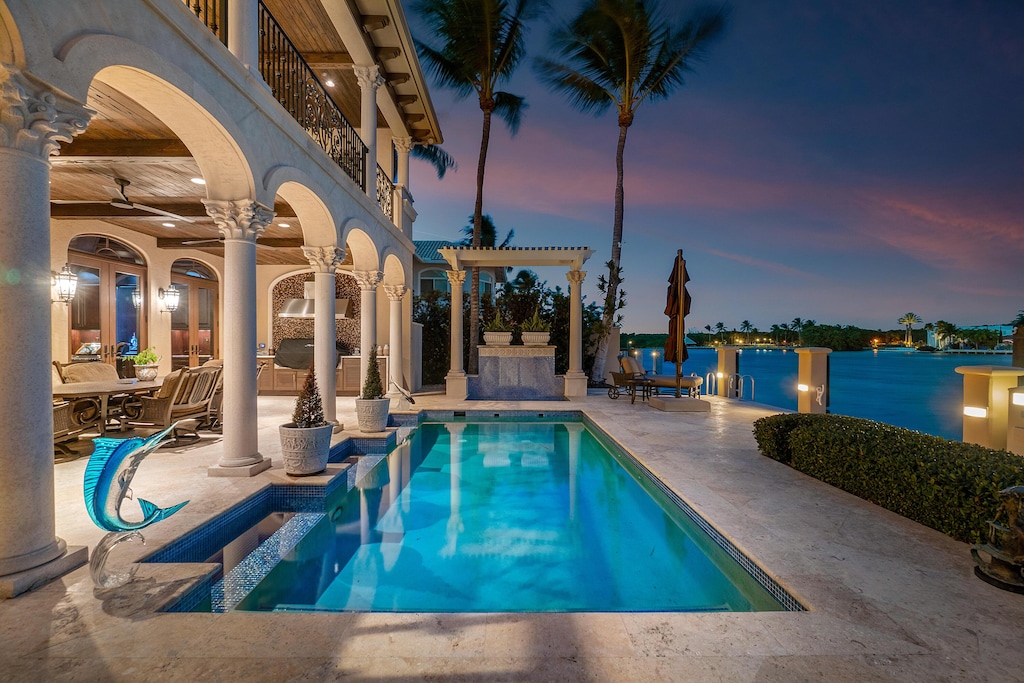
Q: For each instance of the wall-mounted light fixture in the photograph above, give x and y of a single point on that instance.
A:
(137, 298)
(972, 411)
(802, 387)
(1018, 398)
(170, 298)
(64, 284)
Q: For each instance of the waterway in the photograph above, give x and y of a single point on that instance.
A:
(910, 389)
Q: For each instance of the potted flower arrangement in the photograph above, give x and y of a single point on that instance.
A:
(147, 364)
(536, 332)
(497, 332)
(371, 406)
(306, 440)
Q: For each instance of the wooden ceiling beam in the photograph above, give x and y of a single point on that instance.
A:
(106, 211)
(327, 60)
(375, 22)
(98, 150)
(213, 243)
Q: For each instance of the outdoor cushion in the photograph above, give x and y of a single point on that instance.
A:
(94, 371)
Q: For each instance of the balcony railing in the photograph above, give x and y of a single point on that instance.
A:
(385, 192)
(295, 85)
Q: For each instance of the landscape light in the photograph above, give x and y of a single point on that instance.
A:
(971, 411)
(1018, 399)
(802, 387)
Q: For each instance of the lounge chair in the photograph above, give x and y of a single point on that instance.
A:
(690, 384)
(185, 398)
(71, 418)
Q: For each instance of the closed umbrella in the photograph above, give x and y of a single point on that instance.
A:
(677, 307)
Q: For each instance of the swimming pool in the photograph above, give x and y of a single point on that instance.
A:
(498, 515)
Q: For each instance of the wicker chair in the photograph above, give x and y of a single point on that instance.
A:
(71, 419)
(185, 398)
(119, 406)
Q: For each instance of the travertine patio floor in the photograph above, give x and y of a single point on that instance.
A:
(888, 599)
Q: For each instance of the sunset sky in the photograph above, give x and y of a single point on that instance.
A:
(842, 161)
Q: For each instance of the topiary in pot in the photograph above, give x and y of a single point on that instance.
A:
(306, 440)
(497, 332)
(536, 332)
(371, 406)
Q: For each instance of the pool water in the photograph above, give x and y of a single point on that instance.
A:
(525, 516)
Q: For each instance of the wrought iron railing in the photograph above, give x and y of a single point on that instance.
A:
(385, 192)
(213, 14)
(299, 91)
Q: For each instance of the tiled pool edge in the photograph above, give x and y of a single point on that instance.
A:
(785, 598)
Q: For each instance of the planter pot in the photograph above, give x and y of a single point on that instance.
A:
(146, 373)
(497, 338)
(305, 449)
(372, 414)
(536, 338)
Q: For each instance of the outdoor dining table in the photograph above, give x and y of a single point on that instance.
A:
(103, 390)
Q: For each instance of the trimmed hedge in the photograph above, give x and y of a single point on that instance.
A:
(947, 485)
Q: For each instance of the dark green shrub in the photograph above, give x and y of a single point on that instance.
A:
(947, 485)
(772, 434)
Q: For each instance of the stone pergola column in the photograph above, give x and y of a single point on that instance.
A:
(403, 146)
(243, 33)
(575, 379)
(325, 261)
(33, 121)
(369, 80)
(368, 281)
(396, 295)
(240, 223)
(456, 384)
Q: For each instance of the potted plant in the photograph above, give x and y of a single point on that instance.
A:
(536, 332)
(371, 406)
(147, 364)
(306, 440)
(497, 332)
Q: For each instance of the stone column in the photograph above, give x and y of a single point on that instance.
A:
(403, 146)
(240, 223)
(243, 33)
(456, 385)
(575, 378)
(369, 80)
(33, 120)
(396, 295)
(368, 281)
(325, 262)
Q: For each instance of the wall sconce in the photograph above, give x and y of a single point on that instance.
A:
(802, 387)
(64, 285)
(170, 298)
(137, 298)
(972, 411)
(1018, 399)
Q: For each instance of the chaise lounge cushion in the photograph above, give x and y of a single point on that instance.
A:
(94, 371)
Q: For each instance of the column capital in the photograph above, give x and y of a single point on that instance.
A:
(324, 259)
(456, 277)
(368, 76)
(33, 119)
(403, 145)
(368, 279)
(575, 277)
(239, 219)
(395, 292)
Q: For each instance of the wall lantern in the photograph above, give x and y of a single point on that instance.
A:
(169, 297)
(137, 298)
(64, 284)
(802, 387)
(972, 411)
(1018, 399)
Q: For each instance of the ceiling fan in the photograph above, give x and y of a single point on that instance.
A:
(119, 200)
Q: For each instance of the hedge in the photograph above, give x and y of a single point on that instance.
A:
(948, 485)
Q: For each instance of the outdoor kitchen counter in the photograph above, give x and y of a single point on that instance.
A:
(279, 381)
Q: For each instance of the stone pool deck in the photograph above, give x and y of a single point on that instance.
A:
(888, 599)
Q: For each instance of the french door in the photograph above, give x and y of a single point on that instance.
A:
(194, 323)
(104, 322)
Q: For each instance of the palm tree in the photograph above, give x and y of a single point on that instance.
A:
(481, 44)
(797, 325)
(488, 234)
(775, 329)
(945, 333)
(785, 331)
(745, 328)
(621, 53)
(720, 329)
(910, 319)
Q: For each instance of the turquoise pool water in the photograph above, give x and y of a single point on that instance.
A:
(524, 516)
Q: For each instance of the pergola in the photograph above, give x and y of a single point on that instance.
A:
(573, 258)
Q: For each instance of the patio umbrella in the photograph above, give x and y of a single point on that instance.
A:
(677, 307)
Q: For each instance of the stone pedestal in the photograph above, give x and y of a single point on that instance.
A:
(987, 402)
(812, 380)
(511, 373)
(1015, 423)
(728, 365)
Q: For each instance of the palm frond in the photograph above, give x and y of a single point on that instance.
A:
(436, 157)
(509, 108)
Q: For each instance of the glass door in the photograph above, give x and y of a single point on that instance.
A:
(193, 325)
(105, 324)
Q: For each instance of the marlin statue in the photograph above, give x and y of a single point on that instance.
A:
(108, 478)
